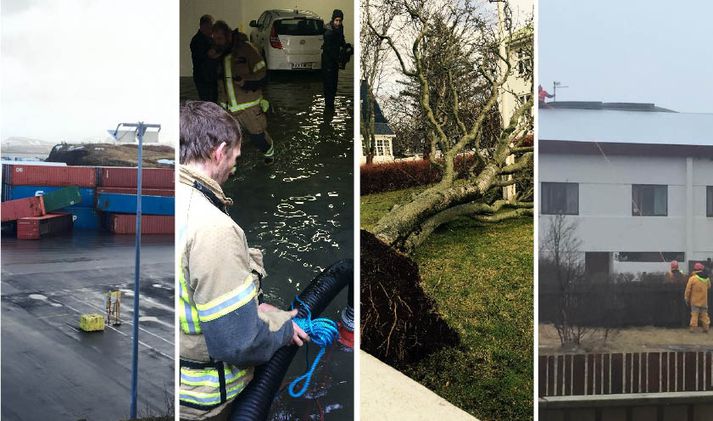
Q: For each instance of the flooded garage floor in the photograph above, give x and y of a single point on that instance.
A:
(49, 366)
(300, 212)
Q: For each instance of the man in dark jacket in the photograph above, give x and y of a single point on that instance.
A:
(205, 61)
(333, 43)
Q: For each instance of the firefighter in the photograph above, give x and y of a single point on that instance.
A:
(225, 329)
(243, 74)
(205, 63)
(333, 44)
(675, 276)
(696, 296)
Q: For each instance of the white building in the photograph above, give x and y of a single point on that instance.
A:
(517, 89)
(638, 179)
(383, 135)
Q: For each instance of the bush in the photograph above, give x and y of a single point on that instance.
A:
(619, 302)
(378, 178)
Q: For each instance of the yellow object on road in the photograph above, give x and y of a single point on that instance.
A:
(91, 322)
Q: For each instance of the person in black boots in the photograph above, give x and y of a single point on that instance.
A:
(333, 44)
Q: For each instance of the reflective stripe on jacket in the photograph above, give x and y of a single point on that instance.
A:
(245, 64)
(219, 276)
(697, 290)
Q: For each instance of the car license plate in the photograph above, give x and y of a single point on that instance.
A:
(301, 66)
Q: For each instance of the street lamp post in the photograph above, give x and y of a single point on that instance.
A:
(139, 130)
(556, 85)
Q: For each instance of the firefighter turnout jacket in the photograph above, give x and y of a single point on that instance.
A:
(243, 75)
(697, 289)
(223, 335)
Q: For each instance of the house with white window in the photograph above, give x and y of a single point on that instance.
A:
(636, 178)
(383, 135)
(517, 89)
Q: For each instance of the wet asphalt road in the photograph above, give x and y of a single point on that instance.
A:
(299, 211)
(53, 370)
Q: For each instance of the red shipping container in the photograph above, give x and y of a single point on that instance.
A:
(152, 178)
(132, 190)
(120, 223)
(34, 228)
(13, 210)
(54, 176)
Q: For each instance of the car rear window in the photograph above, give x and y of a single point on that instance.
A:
(299, 26)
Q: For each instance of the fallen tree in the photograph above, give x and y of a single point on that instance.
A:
(455, 64)
(457, 67)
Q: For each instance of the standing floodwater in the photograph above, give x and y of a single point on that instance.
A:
(299, 211)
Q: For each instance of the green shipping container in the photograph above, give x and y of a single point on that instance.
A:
(62, 198)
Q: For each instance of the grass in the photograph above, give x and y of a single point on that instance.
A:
(481, 278)
(374, 206)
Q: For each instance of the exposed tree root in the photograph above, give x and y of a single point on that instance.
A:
(400, 324)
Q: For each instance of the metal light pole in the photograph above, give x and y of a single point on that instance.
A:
(140, 130)
(556, 85)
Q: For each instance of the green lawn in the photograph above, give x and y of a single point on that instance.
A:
(481, 277)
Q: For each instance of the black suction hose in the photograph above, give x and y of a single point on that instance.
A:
(253, 403)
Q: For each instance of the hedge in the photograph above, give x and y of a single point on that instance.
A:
(377, 178)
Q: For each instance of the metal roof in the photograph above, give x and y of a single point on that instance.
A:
(617, 126)
(381, 124)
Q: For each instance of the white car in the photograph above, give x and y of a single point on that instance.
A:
(289, 39)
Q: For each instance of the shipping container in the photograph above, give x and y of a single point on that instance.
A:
(126, 203)
(13, 210)
(40, 175)
(85, 218)
(20, 192)
(61, 198)
(132, 190)
(150, 224)
(34, 228)
(152, 178)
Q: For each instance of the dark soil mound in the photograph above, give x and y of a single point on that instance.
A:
(400, 324)
(110, 155)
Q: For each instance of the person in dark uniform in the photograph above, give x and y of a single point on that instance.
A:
(333, 44)
(205, 61)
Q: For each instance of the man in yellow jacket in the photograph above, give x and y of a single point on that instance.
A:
(225, 329)
(697, 297)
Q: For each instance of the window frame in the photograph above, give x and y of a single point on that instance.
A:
(641, 209)
(709, 201)
(548, 210)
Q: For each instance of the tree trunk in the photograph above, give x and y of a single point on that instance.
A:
(396, 226)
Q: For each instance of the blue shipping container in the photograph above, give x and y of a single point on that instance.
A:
(126, 203)
(21, 192)
(85, 218)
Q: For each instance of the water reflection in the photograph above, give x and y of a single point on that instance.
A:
(300, 212)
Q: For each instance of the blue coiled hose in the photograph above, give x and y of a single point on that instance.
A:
(322, 332)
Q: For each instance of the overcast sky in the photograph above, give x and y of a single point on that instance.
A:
(72, 69)
(628, 51)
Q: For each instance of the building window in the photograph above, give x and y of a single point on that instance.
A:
(709, 201)
(382, 147)
(649, 200)
(524, 62)
(560, 198)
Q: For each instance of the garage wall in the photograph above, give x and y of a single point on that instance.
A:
(240, 13)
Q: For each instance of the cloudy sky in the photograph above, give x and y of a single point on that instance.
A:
(72, 69)
(628, 51)
(522, 12)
